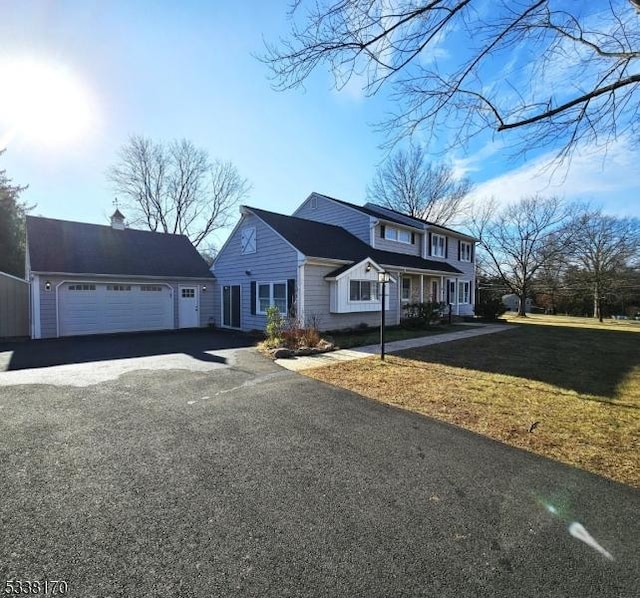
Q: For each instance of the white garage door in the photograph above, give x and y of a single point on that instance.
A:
(95, 308)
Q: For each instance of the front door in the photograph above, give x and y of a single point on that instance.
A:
(188, 316)
(231, 306)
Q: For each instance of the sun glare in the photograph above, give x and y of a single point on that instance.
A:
(42, 104)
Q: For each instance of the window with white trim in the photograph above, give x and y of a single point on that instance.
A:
(82, 287)
(464, 289)
(397, 234)
(118, 287)
(271, 293)
(151, 288)
(465, 251)
(363, 290)
(438, 245)
(248, 240)
(406, 288)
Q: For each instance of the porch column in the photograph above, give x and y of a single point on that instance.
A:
(421, 288)
(442, 294)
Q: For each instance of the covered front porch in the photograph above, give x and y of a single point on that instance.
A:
(431, 287)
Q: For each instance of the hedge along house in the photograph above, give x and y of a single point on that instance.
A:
(322, 264)
(93, 279)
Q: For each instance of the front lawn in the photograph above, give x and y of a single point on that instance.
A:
(371, 336)
(570, 391)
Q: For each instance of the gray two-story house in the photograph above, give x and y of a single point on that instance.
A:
(323, 262)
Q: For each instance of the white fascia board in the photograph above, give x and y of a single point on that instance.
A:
(405, 270)
(373, 263)
(122, 276)
(321, 261)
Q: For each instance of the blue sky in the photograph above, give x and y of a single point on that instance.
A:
(185, 69)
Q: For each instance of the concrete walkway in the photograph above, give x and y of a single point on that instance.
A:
(316, 361)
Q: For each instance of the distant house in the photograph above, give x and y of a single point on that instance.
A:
(512, 303)
(90, 279)
(323, 262)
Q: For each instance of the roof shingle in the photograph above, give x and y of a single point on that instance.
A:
(316, 239)
(81, 248)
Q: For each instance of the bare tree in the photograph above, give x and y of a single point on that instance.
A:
(561, 72)
(521, 238)
(407, 183)
(176, 188)
(607, 247)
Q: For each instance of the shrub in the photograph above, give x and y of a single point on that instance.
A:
(275, 323)
(490, 309)
(309, 337)
(289, 332)
(421, 315)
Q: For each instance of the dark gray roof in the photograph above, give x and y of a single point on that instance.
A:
(377, 214)
(80, 248)
(372, 209)
(316, 239)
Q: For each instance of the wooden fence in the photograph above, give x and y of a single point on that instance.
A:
(14, 306)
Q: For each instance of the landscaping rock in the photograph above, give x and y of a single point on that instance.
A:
(326, 346)
(302, 351)
(282, 353)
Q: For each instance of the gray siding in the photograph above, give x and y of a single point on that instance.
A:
(14, 306)
(396, 246)
(317, 303)
(274, 260)
(333, 212)
(48, 299)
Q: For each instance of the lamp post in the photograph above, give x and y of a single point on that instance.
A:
(383, 279)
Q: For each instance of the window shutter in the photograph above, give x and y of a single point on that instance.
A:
(291, 296)
(413, 238)
(253, 298)
(429, 243)
(446, 247)
(382, 230)
(459, 245)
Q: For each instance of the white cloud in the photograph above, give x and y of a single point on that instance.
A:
(610, 179)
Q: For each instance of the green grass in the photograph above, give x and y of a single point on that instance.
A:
(579, 380)
(371, 336)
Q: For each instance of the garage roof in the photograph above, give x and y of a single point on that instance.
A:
(80, 248)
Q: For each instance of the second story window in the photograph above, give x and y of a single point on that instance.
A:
(248, 240)
(465, 251)
(397, 234)
(438, 245)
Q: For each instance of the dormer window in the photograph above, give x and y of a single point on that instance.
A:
(401, 235)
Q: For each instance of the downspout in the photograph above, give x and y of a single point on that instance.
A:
(372, 231)
(302, 262)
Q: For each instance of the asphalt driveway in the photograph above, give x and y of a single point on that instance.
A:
(87, 360)
(248, 480)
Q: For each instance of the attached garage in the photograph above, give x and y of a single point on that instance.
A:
(95, 308)
(92, 279)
